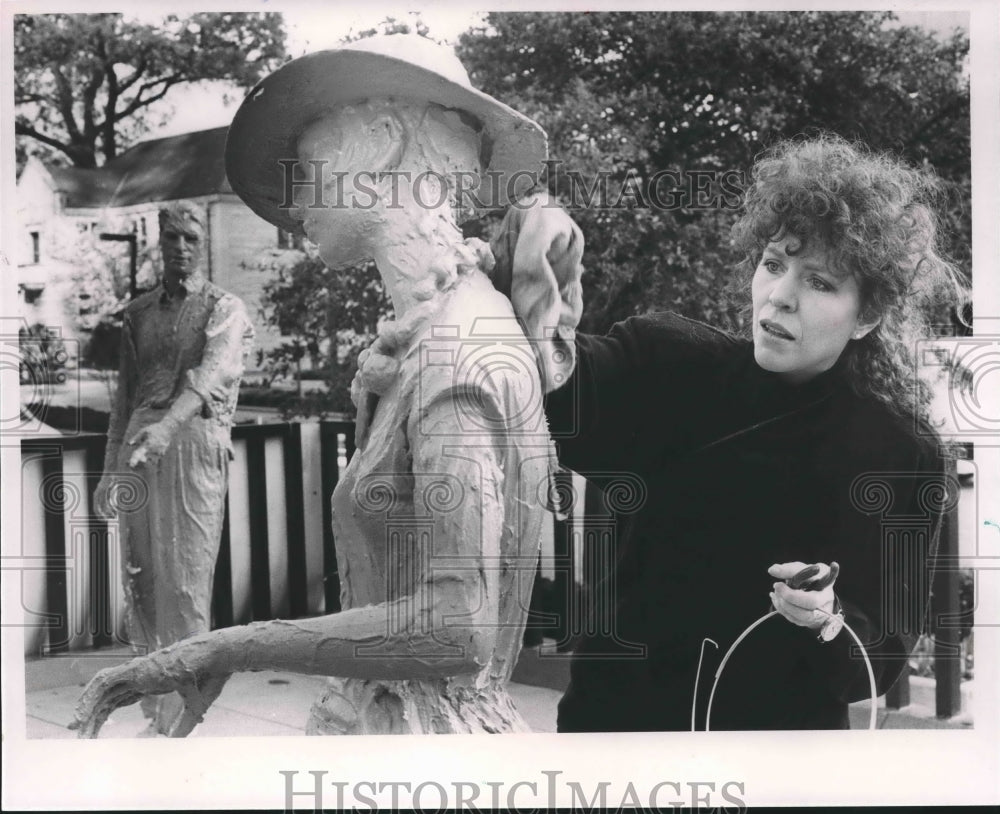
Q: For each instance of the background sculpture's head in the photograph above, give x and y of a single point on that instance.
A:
(182, 239)
(381, 169)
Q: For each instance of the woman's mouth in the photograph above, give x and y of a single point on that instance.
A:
(775, 330)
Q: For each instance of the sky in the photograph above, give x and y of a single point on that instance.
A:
(308, 28)
(311, 28)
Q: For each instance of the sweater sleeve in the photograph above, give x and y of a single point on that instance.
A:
(638, 381)
(885, 542)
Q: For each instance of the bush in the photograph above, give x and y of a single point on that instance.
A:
(43, 355)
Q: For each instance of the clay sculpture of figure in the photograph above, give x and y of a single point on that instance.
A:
(184, 346)
(437, 517)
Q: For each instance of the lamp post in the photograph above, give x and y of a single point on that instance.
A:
(132, 255)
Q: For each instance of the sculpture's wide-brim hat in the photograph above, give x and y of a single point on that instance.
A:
(270, 120)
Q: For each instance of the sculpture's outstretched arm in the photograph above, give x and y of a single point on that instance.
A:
(446, 627)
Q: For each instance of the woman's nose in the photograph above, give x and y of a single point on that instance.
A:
(783, 295)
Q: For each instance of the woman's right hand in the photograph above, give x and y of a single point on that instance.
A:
(538, 253)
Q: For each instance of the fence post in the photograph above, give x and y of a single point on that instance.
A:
(222, 585)
(898, 695)
(298, 578)
(330, 475)
(563, 585)
(102, 614)
(947, 647)
(260, 571)
(57, 568)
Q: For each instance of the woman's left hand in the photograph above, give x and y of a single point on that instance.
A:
(808, 609)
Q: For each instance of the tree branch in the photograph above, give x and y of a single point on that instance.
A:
(140, 69)
(139, 101)
(65, 92)
(22, 129)
(89, 95)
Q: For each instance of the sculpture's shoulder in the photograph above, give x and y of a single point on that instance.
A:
(222, 300)
(476, 306)
(476, 355)
(143, 303)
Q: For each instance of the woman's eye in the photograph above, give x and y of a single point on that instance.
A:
(771, 265)
(820, 284)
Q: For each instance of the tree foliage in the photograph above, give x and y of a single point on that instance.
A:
(689, 98)
(84, 83)
(328, 317)
(633, 94)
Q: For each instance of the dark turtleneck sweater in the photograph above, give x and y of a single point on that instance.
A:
(731, 470)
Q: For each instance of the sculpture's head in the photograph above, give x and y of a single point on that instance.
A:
(182, 238)
(390, 103)
(380, 167)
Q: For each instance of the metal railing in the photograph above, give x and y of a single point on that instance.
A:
(277, 557)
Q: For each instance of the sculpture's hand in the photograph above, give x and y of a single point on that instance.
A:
(538, 252)
(102, 497)
(150, 443)
(111, 688)
(160, 672)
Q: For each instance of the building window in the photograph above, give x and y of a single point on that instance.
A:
(36, 248)
(31, 294)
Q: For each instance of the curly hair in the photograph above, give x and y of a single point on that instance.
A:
(875, 215)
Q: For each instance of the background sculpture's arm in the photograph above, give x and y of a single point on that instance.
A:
(229, 338)
(211, 385)
(122, 403)
(123, 398)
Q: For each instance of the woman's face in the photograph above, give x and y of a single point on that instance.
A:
(805, 310)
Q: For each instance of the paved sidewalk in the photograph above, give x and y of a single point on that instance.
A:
(277, 703)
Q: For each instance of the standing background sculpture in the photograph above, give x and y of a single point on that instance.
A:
(183, 351)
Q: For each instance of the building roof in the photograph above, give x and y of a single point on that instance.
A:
(166, 169)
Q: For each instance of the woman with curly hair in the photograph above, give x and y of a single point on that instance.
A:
(806, 442)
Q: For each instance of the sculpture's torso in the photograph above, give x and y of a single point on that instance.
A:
(383, 532)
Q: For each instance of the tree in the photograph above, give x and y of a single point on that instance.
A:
(328, 316)
(392, 25)
(84, 83)
(696, 95)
